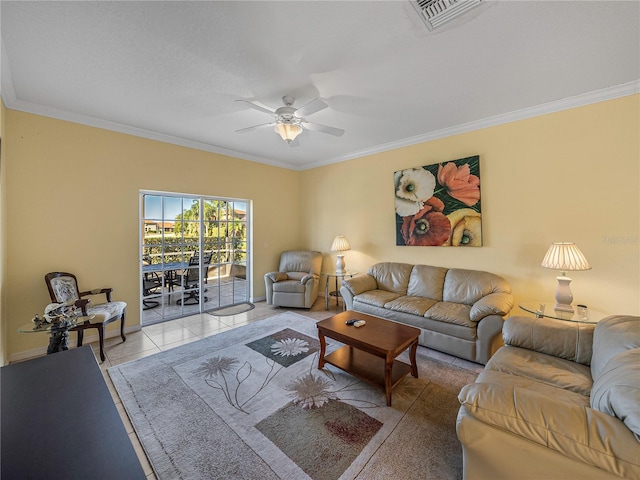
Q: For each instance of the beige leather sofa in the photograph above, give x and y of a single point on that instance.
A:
(560, 400)
(295, 284)
(458, 311)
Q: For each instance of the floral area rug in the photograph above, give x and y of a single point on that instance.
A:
(251, 403)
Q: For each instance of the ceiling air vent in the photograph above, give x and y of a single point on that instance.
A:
(435, 13)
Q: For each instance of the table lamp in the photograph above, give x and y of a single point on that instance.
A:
(340, 245)
(564, 256)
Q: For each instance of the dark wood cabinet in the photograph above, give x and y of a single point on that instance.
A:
(59, 421)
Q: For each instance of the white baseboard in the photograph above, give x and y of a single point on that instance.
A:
(86, 340)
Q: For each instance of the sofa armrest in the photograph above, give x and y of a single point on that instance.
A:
(573, 430)
(360, 283)
(271, 278)
(569, 340)
(276, 277)
(492, 304)
(310, 277)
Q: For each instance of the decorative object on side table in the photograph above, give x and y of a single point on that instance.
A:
(564, 256)
(340, 244)
(58, 318)
(62, 317)
(581, 315)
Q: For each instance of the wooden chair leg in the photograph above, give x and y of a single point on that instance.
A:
(124, 339)
(80, 337)
(101, 336)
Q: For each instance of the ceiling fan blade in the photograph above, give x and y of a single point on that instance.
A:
(338, 132)
(262, 108)
(312, 107)
(255, 127)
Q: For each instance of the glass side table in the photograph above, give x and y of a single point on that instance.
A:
(59, 335)
(582, 315)
(336, 292)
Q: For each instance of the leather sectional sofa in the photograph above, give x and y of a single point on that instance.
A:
(458, 311)
(560, 400)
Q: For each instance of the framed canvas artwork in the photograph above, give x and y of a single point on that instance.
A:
(439, 204)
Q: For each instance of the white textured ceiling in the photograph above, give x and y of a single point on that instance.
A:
(172, 70)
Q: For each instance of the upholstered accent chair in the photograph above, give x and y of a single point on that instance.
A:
(296, 282)
(63, 287)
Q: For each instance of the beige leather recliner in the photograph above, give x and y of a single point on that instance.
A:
(296, 282)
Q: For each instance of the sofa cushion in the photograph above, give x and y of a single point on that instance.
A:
(613, 335)
(296, 275)
(569, 340)
(576, 431)
(616, 391)
(393, 277)
(469, 286)
(377, 298)
(451, 332)
(542, 368)
(427, 281)
(544, 388)
(451, 313)
(409, 304)
(289, 286)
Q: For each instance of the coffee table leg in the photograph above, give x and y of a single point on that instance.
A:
(387, 378)
(412, 359)
(323, 347)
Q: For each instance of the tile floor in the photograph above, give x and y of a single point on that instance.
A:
(163, 336)
(226, 292)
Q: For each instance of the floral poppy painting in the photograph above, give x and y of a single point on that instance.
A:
(439, 204)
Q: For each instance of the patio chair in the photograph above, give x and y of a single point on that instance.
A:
(63, 287)
(151, 281)
(190, 279)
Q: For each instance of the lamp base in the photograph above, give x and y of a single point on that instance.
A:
(562, 307)
(564, 297)
(340, 266)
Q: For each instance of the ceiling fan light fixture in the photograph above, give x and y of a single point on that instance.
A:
(288, 131)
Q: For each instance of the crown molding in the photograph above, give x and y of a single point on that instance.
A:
(596, 96)
(609, 93)
(58, 114)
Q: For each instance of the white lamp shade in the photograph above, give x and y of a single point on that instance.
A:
(340, 244)
(565, 256)
(288, 131)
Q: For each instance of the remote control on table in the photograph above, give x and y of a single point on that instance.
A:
(359, 323)
(351, 322)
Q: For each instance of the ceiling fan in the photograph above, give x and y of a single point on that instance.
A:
(289, 122)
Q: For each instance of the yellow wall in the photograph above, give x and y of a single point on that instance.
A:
(568, 176)
(72, 204)
(3, 243)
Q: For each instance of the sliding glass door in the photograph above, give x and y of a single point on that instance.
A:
(194, 254)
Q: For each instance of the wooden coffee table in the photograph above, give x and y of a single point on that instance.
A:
(370, 351)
